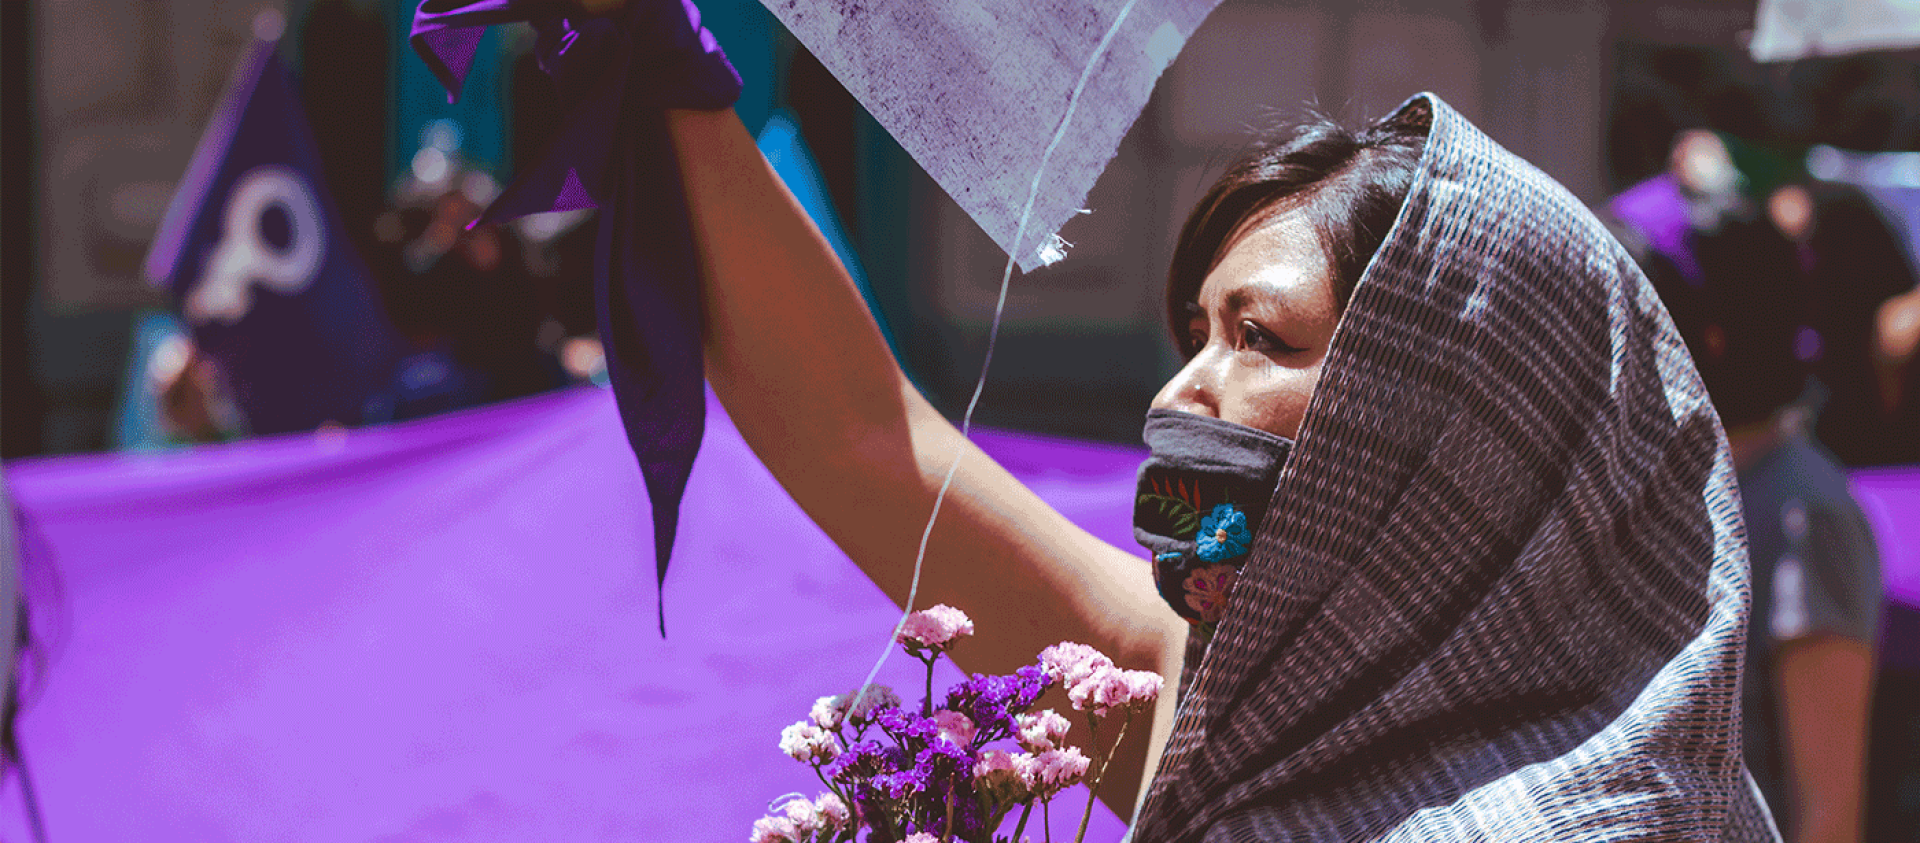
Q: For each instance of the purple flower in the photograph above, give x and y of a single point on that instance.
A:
(943, 760)
(904, 725)
(860, 761)
(992, 702)
(902, 783)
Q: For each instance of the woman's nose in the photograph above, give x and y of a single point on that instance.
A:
(1192, 389)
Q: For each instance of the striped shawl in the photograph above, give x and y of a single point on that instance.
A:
(1501, 591)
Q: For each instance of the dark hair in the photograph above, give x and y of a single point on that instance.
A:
(1349, 184)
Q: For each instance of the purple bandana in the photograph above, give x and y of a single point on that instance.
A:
(616, 75)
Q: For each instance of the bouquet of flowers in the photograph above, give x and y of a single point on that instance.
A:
(960, 770)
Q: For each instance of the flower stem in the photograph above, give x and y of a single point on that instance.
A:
(1100, 772)
(926, 705)
(947, 835)
(1025, 812)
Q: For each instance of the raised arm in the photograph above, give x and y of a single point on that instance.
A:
(805, 374)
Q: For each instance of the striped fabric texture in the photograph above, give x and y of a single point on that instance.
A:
(1501, 592)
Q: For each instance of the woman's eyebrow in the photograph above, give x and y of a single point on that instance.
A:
(1261, 297)
(1239, 299)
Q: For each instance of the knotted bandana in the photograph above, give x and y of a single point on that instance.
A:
(616, 76)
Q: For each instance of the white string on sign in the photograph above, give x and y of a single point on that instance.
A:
(993, 335)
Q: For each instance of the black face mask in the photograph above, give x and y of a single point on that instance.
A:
(1201, 494)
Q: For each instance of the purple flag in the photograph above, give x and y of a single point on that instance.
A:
(615, 76)
(253, 252)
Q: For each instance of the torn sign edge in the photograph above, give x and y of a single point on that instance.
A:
(1163, 27)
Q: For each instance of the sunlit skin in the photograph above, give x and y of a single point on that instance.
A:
(1259, 329)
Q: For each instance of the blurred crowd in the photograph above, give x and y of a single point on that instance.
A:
(483, 313)
(1796, 298)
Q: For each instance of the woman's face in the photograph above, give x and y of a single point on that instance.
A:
(1259, 330)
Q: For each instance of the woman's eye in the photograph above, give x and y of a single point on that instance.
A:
(1255, 338)
(1196, 335)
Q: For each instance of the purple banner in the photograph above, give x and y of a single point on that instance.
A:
(435, 631)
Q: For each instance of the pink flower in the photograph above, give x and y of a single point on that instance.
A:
(1070, 663)
(876, 697)
(1208, 590)
(935, 629)
(827, 813)
(1111, 688)
(1041, 730)
(1057, 769)
(921, 837)
(1008, 776)
(802, 815)
(773, 830)
(828, 712)
(833, 812)
(955, 727)
(804, 741)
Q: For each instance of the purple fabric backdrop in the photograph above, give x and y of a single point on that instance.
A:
(436, 631)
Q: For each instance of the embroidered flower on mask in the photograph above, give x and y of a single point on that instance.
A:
(1223, 534)
(1208, 589)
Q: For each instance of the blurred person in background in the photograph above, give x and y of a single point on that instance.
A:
(1739, 293)
(1859, 337)
(195, 405)
(463, 298)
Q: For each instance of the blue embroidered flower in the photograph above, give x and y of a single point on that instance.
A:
(1223, 534)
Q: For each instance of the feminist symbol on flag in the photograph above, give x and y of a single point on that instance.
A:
(245, 256)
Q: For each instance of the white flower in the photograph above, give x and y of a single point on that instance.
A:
(804, 816)
(1008, 776)
(1109, 687)
(936, 628)
(1057, 769)
(876, 697)
(1071, 663)
(1041, 730)
(829, 711)
(773, 830)
(955, 727)
(804, 741)
(833, 812)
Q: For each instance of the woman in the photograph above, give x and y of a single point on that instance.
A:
(1493, 586)
(1500, 589)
